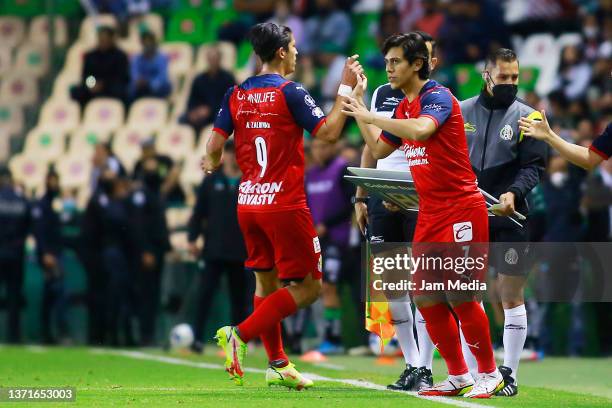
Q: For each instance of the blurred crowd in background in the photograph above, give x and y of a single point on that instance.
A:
(138, 219)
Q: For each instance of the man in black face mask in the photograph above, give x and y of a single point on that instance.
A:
(508, 166)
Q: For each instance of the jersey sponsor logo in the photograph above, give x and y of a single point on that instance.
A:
(415, 155)
(258, 125)
(257, 97)
(376, 239)
(432, 106)
(317, 112)
(258, 193)
(309, 100)
(469, 127)
(506, 132)
(462, 231)
(392, 101)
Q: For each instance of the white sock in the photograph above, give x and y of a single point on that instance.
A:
(426, 346)
(515, 333)
(469, 358)
(402, 321)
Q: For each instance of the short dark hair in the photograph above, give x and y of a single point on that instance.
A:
(105, 29)
(266, 38)
(414, 47)
(428, 38)
(500, 54)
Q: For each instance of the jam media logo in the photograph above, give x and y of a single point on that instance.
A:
(462, 231)
(432, 107)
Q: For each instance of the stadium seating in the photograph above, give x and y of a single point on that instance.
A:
(84, 139)
(192, 175)
(74, 170)
(6, 60)
(127, 145)
(104, 114)
(39, 31)
(11, 119)
(12, 30)
(176, 141)
(178, 218)
(180, 55)
(45, 142)
(148, 114)
(186, 25)
(32, 59)
(23, 8)
(64, 81)
(228, 56)
(29, 170)
(61, 114)
(18, 89)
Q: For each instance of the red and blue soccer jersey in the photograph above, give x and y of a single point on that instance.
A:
(267, 115)
(440, 165)
(602, 145)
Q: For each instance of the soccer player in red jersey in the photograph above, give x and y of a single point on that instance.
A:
(267, 115)
(428, 126)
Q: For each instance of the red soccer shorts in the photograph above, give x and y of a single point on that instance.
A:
(283, 239)
(453, 251)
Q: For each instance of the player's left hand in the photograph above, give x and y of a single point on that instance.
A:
(506, 205)
(352, 107)
(208, 166)
(359, 90)
(391, 207)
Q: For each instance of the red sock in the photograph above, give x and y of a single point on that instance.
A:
(444, 333)
(268, 315)
(475, 328)
(272, 340)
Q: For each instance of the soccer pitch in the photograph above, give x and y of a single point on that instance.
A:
(110, 377)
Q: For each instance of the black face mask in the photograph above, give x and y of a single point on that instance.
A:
(503, 94)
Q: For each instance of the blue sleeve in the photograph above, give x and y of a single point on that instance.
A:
(161, 78)
(602, 145)
(390, 138)
(223, 122)
(303, 107)
(437, 105)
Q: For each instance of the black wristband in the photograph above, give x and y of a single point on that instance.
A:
(355, 200)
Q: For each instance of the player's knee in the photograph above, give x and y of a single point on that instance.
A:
(312, 290)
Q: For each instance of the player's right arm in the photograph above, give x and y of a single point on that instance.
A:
(587, 158)
(310, 116)
(222, 129)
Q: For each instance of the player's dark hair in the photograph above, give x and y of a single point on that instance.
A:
(413, 46)
(500, 54)
(267, 38)
(428, 38)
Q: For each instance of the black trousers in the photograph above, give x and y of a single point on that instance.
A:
(241, 286)
(11, 277)
(148, 286)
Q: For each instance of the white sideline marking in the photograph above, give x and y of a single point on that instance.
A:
(356, 383)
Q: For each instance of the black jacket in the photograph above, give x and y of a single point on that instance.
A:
(215, 217)
(501, 157)
(15, 223)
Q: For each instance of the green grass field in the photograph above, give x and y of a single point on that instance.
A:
(104, 377)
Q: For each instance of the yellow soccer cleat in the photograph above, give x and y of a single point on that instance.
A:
(235, 350)
(288, 377)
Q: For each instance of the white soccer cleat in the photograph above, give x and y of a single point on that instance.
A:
(450, 387)
(486, 385)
